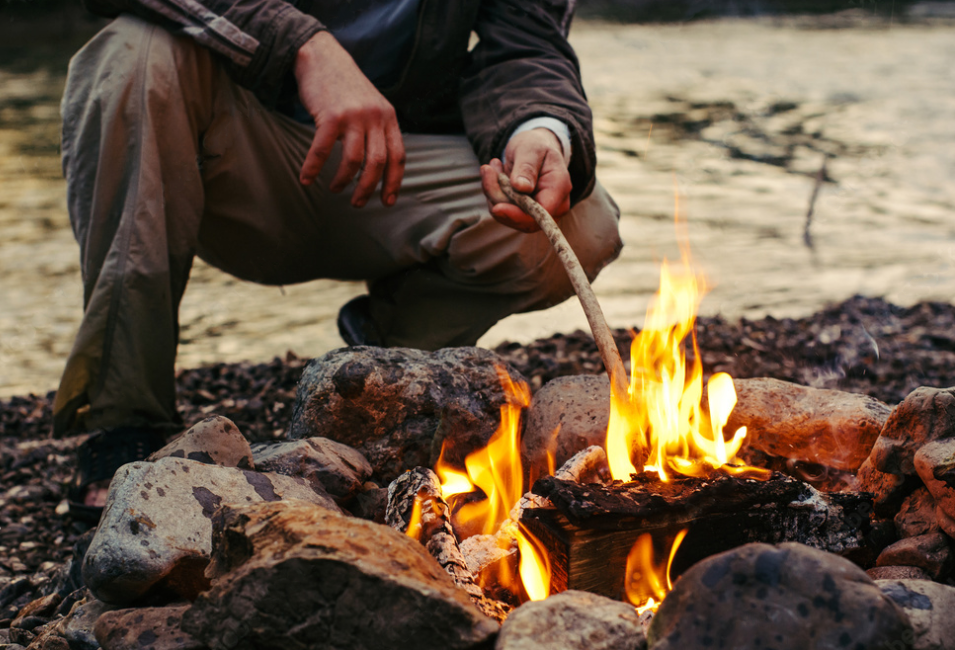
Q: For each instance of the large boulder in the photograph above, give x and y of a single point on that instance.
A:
(290, 575)
(390, 402)
(925, 415)
(338, 469)
(829, 427)
(786, 597)
(929, 606)
(155, 535)
(567, 415)
(572, 620)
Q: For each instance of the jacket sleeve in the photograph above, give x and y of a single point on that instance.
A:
(257, 39)
(523, 67)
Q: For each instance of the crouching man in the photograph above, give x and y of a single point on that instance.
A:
(283, 142)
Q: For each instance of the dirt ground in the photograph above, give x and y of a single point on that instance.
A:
(731, 117)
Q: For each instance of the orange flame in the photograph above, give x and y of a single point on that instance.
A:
(496, 471)
(414, 521)
(661, 420)
(647, 584)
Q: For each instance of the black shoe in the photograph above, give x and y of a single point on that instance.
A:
(355, 324)
(98, 458)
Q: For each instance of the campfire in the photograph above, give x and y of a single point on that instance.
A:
(430, 500)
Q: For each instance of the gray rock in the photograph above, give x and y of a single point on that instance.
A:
(929, 606)
(78, 629)
(146, 628)
(567, 415)
(917, 515)
(897, 573)
(935, 462)
(389, 404)
(786, 597)
(156, 530)
(925, 415)
(572, 620)
(931, 552)
(889, 490)
(214, 441)
(290, 575)
(332, 466)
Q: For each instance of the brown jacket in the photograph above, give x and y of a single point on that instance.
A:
(522, 67)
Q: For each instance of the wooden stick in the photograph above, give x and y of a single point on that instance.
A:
(578, 278)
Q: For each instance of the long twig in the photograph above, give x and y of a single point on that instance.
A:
(578, 279)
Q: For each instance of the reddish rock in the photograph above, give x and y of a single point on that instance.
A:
(889, 490)
(829, 427)
(931, 552)
(934, 462)
(917, 515)
(336, 468)
(897, 573)
(925, 415)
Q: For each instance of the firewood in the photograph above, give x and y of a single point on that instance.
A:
(436, 533)
(586, 466)
(588, 530)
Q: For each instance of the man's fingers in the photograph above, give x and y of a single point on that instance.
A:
(353, 154)
(526, 168)
(376, 155)
(322, 144)
(395, 165)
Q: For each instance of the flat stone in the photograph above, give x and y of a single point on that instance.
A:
(572, 620)
(828, 427)
(786, 597)
(78, 629)
(290, 575)
(930, 608)
(933, 462)
(146, 628)
(917, 515)
(397, 405)
(567, 415)
(897, 573)
(931, 552)
(889, 490)
(338, 469)
(214, 441)
(925, 415)
(155, 534)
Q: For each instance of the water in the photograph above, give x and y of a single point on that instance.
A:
(743, 113)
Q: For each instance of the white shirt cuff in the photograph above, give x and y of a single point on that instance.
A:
(552, 124)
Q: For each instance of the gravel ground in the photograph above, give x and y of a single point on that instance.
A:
(863, 345)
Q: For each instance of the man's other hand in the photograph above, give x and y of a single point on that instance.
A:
(346, 106)
(535, 166)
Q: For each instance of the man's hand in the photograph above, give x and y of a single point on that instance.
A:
(346, 106)
(535, 166)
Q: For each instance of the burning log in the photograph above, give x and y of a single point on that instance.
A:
(589, 529)
(416, 508)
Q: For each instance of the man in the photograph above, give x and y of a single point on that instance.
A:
(180, 138)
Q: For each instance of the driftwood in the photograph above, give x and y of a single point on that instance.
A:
(435, 531)
(589, 530)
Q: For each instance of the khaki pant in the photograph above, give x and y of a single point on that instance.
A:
(166, 158)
